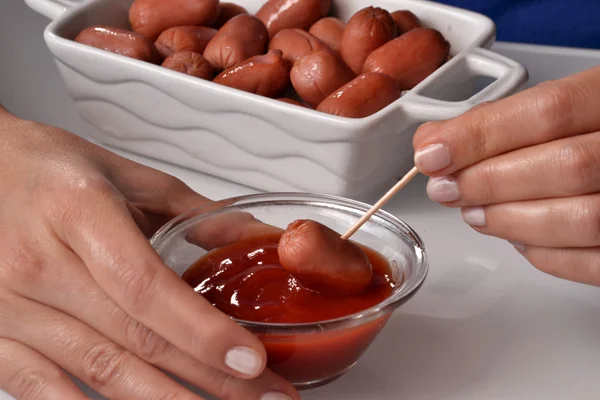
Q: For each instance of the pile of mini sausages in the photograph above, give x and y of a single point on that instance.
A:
(290, 50)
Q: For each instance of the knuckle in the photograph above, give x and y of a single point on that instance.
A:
(22, 267)
(93, 187)
(139, 288)
(477, 184)
(69, 202)
(578, 164)
(31, 384)
(474, 133)
(85, 182)
(585, 217)
(102, 364)
(555, 103)
(146, 343)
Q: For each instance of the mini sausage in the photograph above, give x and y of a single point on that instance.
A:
(226, 12)
(361, 97)
(405, 21)
(190, 63)
(119, 41)
(410, 58)
(321, 260)
(319, 74)
(241, 37)
(285, 14)
(295, 43)
(184, 38)
(367, 30)
(266, 75)
(151, 17)
(329, 30)
(292, 101)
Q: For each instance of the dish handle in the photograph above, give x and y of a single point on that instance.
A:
(52, 8)
(508, 76)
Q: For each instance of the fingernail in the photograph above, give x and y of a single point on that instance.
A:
(473, 216)
(244, 360)
(442, 189)
(518, 246)
(276, 396)
(432, 158)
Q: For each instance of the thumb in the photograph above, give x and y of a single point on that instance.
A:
(161, 197)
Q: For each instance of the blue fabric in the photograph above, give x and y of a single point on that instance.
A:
(571, 23)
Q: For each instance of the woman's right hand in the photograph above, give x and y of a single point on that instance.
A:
(81, 289)
(526, 169)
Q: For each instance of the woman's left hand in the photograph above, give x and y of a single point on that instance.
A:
(526, 169)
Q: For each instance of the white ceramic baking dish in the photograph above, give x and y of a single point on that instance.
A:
(260, 142)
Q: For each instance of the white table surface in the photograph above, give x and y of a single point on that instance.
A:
(486, 325)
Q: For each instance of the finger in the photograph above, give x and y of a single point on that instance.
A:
(141, 220)
(154, 223)
(566, 222)
(153, 191)
(4, 113)
(72, 290)
(104, 366)
(126, 267)
(565, 167)
(223, 229)
(547, 112)
(148, 189)
(27, 375)
(225, 386)
(577, 265)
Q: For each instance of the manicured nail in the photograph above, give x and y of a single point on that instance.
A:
(276, 396)
(432, 158)
(519, 246)
(473, 216)
(244, 360)
(443, 189)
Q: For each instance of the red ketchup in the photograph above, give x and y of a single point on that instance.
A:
(246, 281)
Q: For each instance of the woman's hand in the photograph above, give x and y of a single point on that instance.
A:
(526, 169)
(82, 290)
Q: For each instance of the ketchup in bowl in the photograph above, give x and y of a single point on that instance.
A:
(246, 281)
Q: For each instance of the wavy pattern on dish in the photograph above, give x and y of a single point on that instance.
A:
(193, 81)
(226, 167)
(277, 157)
(285, 139)
(281, 150)
(201, 165)
(199, 132)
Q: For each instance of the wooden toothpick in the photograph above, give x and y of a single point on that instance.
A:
(382, 201)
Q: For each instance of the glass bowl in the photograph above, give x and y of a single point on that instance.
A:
(307, 354)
